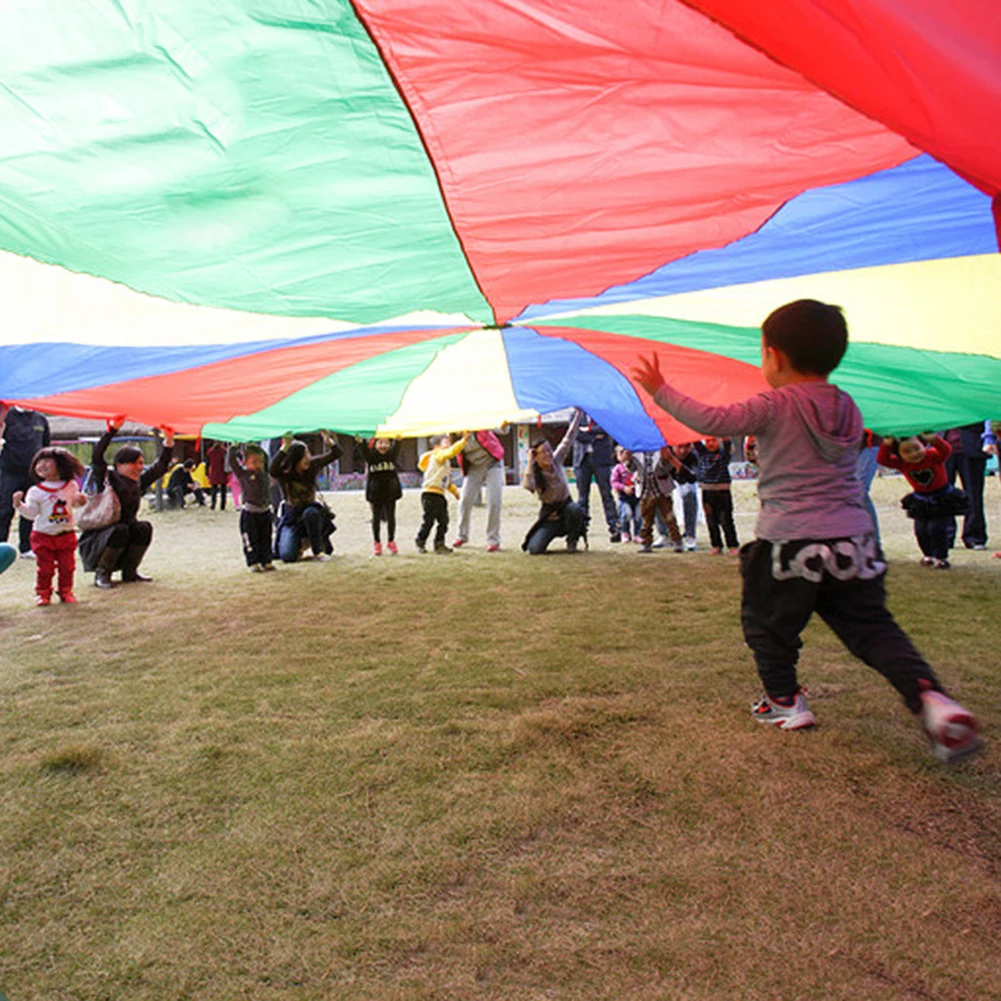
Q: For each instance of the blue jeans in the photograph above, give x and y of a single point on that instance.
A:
(571, 522)
(630, 520)
(690, 507)
(311, 526)
(602, 475)
(543, 535)
(865, 473)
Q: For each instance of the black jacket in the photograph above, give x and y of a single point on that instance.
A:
(23, 435)
(383, 483)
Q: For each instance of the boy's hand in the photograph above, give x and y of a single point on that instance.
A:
(648, 374)
(168, 436)
(16, 497)
(80, 500)
(114, 423)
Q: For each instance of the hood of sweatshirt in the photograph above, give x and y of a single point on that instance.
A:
(831, 419)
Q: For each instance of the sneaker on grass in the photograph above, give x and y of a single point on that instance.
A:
(951, 728)
(787, 714)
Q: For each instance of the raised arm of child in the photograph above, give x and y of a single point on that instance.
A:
(444, 454)
(750, 416)
(937, 446)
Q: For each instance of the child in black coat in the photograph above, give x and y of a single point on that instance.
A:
(383, 489)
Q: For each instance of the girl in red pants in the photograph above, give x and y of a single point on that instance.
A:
(50, 503)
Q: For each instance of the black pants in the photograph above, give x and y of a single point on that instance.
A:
(842, 581)
(129, 540)
(217, 489)
(177, 495)
(435, 511)
(972, 470)
(718, 506)
(602, 475)
(935, 535)
(385, 511)
(10, 483)
(255, 531)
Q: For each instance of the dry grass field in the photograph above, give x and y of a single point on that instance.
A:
(483, 777)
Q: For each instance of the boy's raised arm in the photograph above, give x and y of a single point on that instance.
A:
(747, 417)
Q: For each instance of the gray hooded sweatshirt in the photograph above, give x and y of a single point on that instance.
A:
(809, 435)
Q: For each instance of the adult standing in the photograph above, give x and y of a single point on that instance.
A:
(593, 458)
(218, 474)
(969, 461)
(865, 472)
(23, 433)
(482, 463)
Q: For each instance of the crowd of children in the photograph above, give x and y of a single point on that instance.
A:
(644, 485)
(816, 550)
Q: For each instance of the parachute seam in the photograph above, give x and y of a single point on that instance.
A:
(409, 101)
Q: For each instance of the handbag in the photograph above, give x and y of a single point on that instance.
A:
(101, 510)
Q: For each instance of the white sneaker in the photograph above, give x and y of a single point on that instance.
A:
(794, 717)
(255, 568)
(29, 555)
(691, 546)
(951, 728)
(325, 557)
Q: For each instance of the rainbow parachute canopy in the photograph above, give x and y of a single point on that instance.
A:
(245, 217)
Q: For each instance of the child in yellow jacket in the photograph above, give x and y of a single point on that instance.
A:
(436, 465)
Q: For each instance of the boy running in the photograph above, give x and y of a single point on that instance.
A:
(816, 550)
